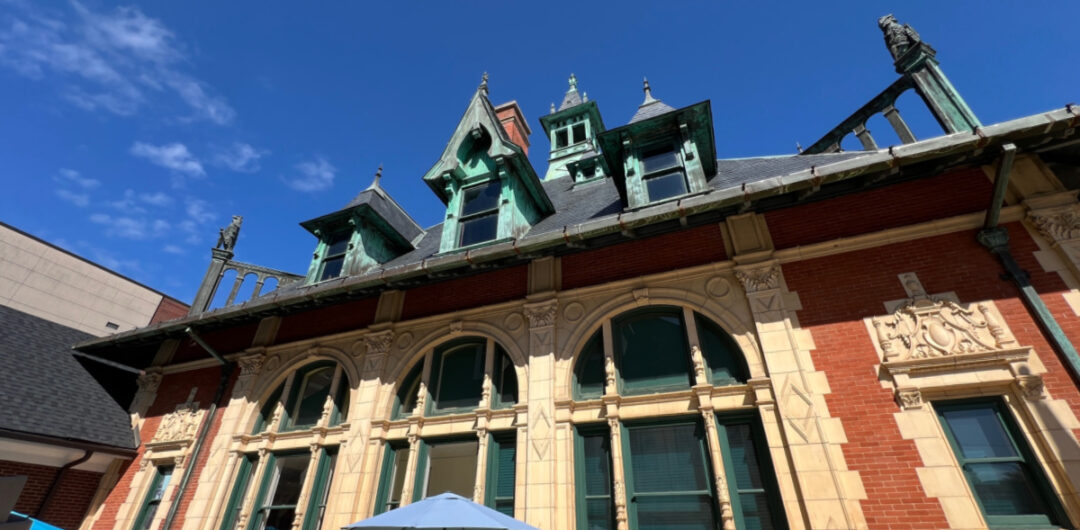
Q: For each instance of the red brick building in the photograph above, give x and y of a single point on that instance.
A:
(647, 336)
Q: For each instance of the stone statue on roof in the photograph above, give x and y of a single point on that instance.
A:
(227, 236)
(898, 37)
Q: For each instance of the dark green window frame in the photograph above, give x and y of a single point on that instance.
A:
(679, 353)
(407, 392)
(500, 483)
(723, 357)
(667, 174)
(261, 510)
(422, 463)
(589, 376)
(320, 490)
(475, 210)
(583, 473)
(752, 478)
(239, 490)
(1023, 459)
(154, 496)
(633, 497)
(477, 347)
(388, 475)
(504, 380)
(335, 250)
(340, 402)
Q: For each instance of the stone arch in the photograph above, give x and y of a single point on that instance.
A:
(415, 353)
(717, 312)
(269, 381)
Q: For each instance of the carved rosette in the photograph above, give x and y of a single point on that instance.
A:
(541, 314)
(909, 398)
(1057, 224)
(759, 279)
(927, 327)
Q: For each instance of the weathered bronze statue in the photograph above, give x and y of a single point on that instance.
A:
(228, 235)
(898, 37)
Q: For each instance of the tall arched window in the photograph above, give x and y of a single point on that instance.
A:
(668, 449)
(313, 398)
(456, 382)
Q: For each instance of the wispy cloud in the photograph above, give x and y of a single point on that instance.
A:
(174, 156)
(158, 199)
(78, 199)
(76, 178)
(118, 61)
(315, 175)
(173, 249)
(130, 227)
(240, 157)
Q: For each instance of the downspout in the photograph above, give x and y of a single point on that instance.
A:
(56, 481)
(226, 372)
(996, 239)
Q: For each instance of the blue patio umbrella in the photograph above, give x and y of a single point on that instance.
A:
(446, 511)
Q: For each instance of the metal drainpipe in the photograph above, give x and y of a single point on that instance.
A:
(226, 372)
(996, 239)
(56, 481)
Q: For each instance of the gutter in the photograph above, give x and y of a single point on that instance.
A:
(56, 481)
(996, 239)
(204, 429)
(885, 161)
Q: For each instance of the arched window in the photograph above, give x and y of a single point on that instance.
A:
(450, 383)
(313, 397)
(651, 351)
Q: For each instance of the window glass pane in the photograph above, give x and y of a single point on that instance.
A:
(397, 481)
(338, 244)
(561, 138)
(341, 401)
(452, 467)
(280, 518)
(290, 478)
(598, 514)
(597, 464)
(659, 159)
(506, 389)
(460, 377)
(746, 476)
(236, 498)
(667, 458)
(979, 433)
(579, 133)
(407, 392)
(312, 396)
(590, 370)
(1005, 488)
(166, 477)
(721, 353)
(479, 229)
(676, 512)
(326, 475)
(653, 353)
(332, 267)
(481, 197)
(755, 511)
(267, 411)
(666, 185)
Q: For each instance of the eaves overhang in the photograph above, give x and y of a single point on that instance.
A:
(877, 168)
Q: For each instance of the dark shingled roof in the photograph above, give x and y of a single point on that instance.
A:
(572, 99)
(387, 208)
(651, 109)
(46, 392)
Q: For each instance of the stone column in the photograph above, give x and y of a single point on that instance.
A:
(148, 383)
(830, 492)
(205, 295)
(539, 451)
(357, 462)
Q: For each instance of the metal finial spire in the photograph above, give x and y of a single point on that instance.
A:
(648, 92)
(553, 107)
(483, 83)
(584, 97)
(573, 82)
(375, 183)
(798, 146)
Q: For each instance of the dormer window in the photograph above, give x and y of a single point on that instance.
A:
(662, 171)
(334, 255)
(480, 213)
(570, 135)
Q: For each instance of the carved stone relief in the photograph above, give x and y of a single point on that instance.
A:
(759, 279)
(180, 424)
(927, 327)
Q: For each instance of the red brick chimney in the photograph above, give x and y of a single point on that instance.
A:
(513, 122)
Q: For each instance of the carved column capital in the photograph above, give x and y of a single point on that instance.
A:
(759, 277)
(541, 314)
(250, 365)
(379, 342)
(1031, 386)
(909, 398)
(150, 380)
(1058, 224)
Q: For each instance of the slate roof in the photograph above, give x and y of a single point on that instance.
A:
(45, 391)
(388, 209)
(651, 108)
(577, 203)
(571, 99)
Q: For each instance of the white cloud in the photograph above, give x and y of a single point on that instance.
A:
(197, 211)
(315, 175)
(241, 157)
(116, 61)
(76, 178)
(173, 249)
(174, 156)
(158, 199)
(78, 199)
(130, 227)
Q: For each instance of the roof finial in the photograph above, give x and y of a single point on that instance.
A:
(553, 107)
(648, 92)
(584, 97)
(573, 82)
(483, 84)
(375, 183)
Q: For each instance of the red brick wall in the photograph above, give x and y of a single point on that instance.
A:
(174, 389)
(462, 293)
(324, 321)
(69, 502)
(955, 193)
(833, 311)
(169, 309)
(686, 248)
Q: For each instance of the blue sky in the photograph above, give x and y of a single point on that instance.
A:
(130, 133)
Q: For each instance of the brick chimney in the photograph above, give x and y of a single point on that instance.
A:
(513, 122)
